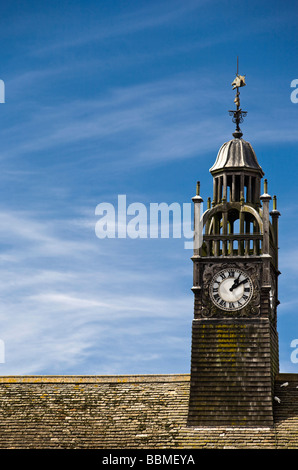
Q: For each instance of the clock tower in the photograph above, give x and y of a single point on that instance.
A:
(234, 356)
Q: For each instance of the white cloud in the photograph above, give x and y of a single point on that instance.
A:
(70, 312)
(141, 124)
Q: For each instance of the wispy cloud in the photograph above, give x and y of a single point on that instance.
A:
(71, 314)
(146, 124)
(130, 22)
(152, 112)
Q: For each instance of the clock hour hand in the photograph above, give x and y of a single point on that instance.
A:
(236, 283)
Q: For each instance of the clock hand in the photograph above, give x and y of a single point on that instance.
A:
(237, 283)
(234, 285)
(243, 282)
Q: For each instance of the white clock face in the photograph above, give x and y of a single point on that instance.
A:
(231, 289)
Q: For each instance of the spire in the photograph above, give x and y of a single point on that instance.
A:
(238, 114)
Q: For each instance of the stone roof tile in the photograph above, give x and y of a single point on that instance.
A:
(137, 411)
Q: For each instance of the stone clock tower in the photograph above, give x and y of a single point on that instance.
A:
(234, 357)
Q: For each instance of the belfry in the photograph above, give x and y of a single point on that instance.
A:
(234, 356)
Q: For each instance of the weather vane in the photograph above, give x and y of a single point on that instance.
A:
(238, 114)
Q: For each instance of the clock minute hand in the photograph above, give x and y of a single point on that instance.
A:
(243, 282)
(237, 283)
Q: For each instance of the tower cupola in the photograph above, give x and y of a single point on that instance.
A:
(236, 154)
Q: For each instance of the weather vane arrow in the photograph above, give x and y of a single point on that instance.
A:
(237, 113)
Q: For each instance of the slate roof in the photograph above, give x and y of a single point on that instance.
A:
(112, 412)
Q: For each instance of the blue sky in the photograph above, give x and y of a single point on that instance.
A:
(104, 98)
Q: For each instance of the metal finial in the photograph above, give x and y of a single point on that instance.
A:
(265, 186)
(198, 188)
(274, 203)
(238, 114)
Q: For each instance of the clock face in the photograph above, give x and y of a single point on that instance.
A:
(231, 289)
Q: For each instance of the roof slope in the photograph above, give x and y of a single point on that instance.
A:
(148, 411)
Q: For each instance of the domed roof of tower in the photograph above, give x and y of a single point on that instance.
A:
(236, 154)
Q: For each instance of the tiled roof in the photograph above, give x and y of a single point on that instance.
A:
(142, 411)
